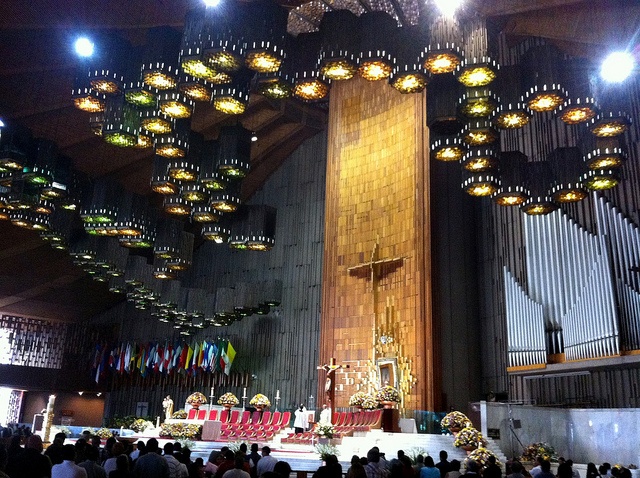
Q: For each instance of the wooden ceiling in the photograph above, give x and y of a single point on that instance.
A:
(37, 67)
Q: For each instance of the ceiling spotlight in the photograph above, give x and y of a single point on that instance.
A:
(448, 7)
(254, 137)
(1, 123)
(84, 47)
(211, 3)
(617, 67)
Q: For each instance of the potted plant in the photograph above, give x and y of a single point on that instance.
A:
(196, 399)
(455, 421)
(481, 457)
(363, 400)
(228, 400)
(260, 401)
(534, 450)
(469, 439)
(324, 432)
(179, 414)
(388, 396)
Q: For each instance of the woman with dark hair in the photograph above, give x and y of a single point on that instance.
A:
(592, 471)
(429, 469)
(122, 467)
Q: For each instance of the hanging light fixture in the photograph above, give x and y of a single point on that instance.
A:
(183, 260)
(217, 232)
(375, 58)
(169, 233)
(203, 213)
(339, 32)
(442, 98)
(448, 148)
(175, 105)
(141, 95)
(60, 180)
(121, 123)
(85, 98)
(233, 98)
(542, 78)
(161, 182)
(261, 228)
(480, 185)
(512, 190)
(537, 181)
(614, 119)
(103, 205)
(264, 31)
(155, 122)
(443, 53)
(234, 151)
(162, 271)
(223, 47)
(111, 64)
(605, 153)
(480, 132)
(14, 142)
(194, 193)
(227, 200)
(176, 143)
(478, 69)
(309, 85)
(210, 176)
(176, 206)
(480, 159)
(478, 103)
(567, 167)
(194, 89)
(600, 179)
(408, 75)
(513, 112)
(181, 168)
(192, 61)
(239, 229)
(38, 169)
(160, 61)
(579, 107)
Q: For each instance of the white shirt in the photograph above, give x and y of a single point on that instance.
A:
(325, 415)
(68, 469)
(266, 463)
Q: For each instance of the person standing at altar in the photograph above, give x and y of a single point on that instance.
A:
(167, 406)
(325, 414)
(301, 420)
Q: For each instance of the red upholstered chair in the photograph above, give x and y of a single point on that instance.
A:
(202, 414)
(192, 414)
(224, 416)
(213, 414)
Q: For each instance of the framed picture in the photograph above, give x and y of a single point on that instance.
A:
(387, 372)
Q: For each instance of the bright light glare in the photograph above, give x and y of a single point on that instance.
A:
(448, 7)
(84, 47)
(1, 123)
(211, 3)
(617, 67)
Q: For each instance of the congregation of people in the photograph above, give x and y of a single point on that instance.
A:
(87, 458)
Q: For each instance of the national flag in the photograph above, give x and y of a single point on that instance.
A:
(211, 356)
(228, 355)
(187, 363)
(202, 353)
(128, 357)
(196, 353)
(220, 363)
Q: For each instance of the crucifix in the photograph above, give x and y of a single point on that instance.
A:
(373, 270)
(329, 383)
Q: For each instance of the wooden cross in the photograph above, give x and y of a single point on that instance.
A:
(329, 383)
(373, 270)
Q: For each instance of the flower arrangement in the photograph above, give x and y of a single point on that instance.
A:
(140, 424)
(455, 420)
(324, 450)
(181, 430)
(469, 437)
(228, 399)
(534, 450)
(481, 457)
(61, 429)
(261, 400)
(196, 398)
(104, 433)
(324, 430)
(88, 431)
(180, 415)
(388, 394)
(363, 400)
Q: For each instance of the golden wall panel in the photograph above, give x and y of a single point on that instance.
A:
(376, 263)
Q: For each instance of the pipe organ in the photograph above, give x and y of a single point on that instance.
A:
(582, 297)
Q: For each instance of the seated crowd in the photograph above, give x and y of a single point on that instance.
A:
(88, 459)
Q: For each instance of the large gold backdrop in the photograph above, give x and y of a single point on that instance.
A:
(376, 307)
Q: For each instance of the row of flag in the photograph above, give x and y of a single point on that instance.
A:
(165, 358)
